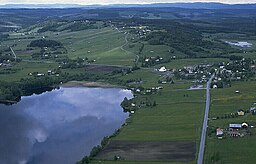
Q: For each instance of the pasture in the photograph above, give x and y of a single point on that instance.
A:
(233, 150)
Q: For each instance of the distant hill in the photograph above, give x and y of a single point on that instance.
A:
(197, 5)
(36, 6)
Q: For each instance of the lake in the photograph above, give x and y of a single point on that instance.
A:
(240, 44)
(60, 126)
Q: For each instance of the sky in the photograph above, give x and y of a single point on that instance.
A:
(88, 2)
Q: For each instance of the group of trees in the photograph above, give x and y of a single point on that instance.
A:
(6, 57)
(3, 36)
(78, 26)
(12, 91)
(45, 43)
(9, 91)
(68, 25)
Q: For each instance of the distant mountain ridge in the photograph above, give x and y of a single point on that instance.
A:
(196, 5)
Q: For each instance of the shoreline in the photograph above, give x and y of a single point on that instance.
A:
(89, 84)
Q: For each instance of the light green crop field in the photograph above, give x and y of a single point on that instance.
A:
(226, 101)
(103, 45)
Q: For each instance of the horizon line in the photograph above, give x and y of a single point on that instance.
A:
(106, 4)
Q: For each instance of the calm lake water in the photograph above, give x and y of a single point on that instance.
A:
(240, 44)
(59, 126)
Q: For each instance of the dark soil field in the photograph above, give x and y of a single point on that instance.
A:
(103, 68)
(182, 151)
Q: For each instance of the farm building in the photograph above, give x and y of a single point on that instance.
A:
(234, 133)
(219, 132)
(235, 126)
(240, 113)
(244, 125)
(253, 110)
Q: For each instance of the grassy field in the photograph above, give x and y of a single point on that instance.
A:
(24, 68)
(226, 101)
(102, 45)
(177, 116)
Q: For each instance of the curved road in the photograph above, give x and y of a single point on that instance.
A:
(126, 42)
(200, 158)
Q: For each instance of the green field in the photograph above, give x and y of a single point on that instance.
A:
(175, 118)
(178, 113)
(226, 101)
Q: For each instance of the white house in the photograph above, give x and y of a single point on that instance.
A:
(162, 69)
(215, 86)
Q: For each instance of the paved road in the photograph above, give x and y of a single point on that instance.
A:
(200, 159)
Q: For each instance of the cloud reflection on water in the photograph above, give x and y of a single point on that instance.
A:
(59, 126)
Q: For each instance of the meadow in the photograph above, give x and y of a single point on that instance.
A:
(224, 102)
(178, 113)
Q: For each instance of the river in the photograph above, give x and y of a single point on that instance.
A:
(60, 126)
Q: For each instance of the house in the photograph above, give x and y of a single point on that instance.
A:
(137, 90)
(235, 126)
(49, 72)
(240, 113)
(237, 92)
(162, 69)
(40, 74)
(253, 110)
(219, 132)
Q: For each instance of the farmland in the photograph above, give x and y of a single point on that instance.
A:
(224, 102)
(165, 117)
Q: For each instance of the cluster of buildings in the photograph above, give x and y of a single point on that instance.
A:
(141, 31)
(49, 72)
(147, 91)
(199, 72)
(234, 71)
(234, 130)
(238, 129)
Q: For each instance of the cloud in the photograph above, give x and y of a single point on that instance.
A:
(87, 2)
